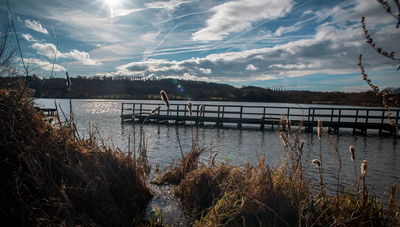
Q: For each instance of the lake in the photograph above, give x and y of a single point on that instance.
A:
(237, 147)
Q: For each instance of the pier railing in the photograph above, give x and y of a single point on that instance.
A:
(356, 118)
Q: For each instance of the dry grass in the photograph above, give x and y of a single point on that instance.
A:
(177, 171)
(50, 178)
(224, 195)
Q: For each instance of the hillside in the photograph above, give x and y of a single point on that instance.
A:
(128, 88)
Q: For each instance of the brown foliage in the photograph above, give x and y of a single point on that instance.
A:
(50, 178)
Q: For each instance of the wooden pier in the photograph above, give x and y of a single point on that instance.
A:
(48, 111)
(358, 119)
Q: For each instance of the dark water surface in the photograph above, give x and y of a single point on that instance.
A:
(237, 147)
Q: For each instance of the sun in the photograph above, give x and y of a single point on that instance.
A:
(112, 6)
(112, 3)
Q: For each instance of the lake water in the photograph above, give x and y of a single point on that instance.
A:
(237, 147)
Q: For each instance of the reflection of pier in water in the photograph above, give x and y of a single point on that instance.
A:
(358, 119)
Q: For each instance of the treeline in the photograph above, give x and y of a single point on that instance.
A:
(97, 87)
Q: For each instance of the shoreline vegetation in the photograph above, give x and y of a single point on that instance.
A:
(129, 88)
(51, 176)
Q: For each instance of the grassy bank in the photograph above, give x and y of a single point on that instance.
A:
(282, 195)
(51, 177)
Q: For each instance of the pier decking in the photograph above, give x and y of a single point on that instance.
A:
(358, 119)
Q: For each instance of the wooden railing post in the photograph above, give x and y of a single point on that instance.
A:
(197, 116)
(356, 120)
(241, 115)
(122, 112)
(263, 119)
(177, 113)
(158, 116)
(313, 115)
(366, 122)
(288, 113)
(133, 111)
(219, 107)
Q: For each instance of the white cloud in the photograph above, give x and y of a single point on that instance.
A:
(81, 56)
(251, 67)
(45, 65)
(35, 25)
(205, 71)
(239, 15)
(49, 50)
(152, 5)
(30, 38)
(169, 4)
(284, 30)
(152, 76)
(187, 76)
(356, 88)
(295, 66)
(149, 37)
(46, 49)
(100, 44)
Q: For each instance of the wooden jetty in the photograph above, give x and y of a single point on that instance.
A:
(47, 111)
(358, 119)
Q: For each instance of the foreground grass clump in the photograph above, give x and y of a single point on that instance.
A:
(225, 195)
(51, 177)
(240, 196)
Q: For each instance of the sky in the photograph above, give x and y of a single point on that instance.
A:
(287, 44)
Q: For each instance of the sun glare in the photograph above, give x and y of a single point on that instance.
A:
(112, 2)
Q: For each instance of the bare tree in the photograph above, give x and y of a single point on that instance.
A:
(8, 49)
(386, 100)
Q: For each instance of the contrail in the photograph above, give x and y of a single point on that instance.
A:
(161, 42)
(189, 14)
(249, 30)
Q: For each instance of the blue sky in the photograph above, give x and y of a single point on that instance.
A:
(292, 44)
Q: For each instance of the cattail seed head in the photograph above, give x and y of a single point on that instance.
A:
(284, 139)
(288, 124)
(154, 110)
(301, 147)
(364, 168)
(201, 109)
(352, 149)
(164, 97)
(316, 162)
(189, 106)
(68, 82)
(319, 129)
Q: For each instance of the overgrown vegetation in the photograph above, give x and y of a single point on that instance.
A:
(283, 195)
(52, 178)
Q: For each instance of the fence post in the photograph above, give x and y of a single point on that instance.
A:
(241, 115)
(177, 113)
(122, 112)
(263, 119)
(133, 112)
(219, 107)
(366, 122)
